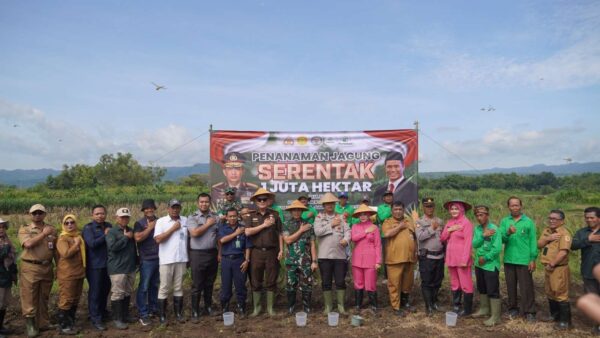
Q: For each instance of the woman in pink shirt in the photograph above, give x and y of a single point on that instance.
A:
(366, 257)
(458, 236)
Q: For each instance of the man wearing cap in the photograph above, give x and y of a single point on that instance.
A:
(401, 255)
(264, 232)
(301, 258)
(121, 267)
(233, 170)
(403, 189)
(172, 236)
(94, 235)
(310, 213)
(333, 236)
(228, 203)
(431, 254)
(38, 241)
(520, 252)
(555, 244)
(147, 292)
(203, 228)
(343, 208)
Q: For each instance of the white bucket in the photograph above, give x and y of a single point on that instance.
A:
(333, 318)
(301, 318)
(228, 318)
(451, 318)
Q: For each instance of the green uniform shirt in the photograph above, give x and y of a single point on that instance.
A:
(226, 205)
(121, 252)
(298, 253)
(521, 247)
(311, 219)
(384, 211)
(487, 247)
(349, 209)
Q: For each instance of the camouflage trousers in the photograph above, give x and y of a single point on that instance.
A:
(299, 276)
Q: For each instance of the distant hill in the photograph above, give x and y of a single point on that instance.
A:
(30, 177)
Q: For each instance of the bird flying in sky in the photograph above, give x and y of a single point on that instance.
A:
(158, 87)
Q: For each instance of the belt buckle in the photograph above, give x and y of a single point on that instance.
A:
(264, 249)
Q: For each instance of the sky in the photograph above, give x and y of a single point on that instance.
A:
(76, 77)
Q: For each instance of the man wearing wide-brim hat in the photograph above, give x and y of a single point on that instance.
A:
(264, 231)
(333, 236)
(301, 258)
(38, 241)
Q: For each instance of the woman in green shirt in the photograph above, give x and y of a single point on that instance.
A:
(487, 242)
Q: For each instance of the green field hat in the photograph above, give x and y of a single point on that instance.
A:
(466, 205)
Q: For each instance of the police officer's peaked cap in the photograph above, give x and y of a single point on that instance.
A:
(234, 160)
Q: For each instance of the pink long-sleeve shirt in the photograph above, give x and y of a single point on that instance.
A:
(460, 243)
(367, 247)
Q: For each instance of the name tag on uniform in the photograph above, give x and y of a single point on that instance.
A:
(238, 244)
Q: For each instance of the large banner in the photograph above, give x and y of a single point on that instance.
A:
(365, 164)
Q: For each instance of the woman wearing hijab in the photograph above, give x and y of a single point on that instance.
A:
(458, 236)
(366, 257)
(8, 273)
(70, 273)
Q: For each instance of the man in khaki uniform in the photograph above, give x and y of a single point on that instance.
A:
(555, 244)
(38, 240)
(400, 258)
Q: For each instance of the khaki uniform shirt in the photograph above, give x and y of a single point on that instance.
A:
(43, 252)
(551, 249)
(401, 247)
(70, 263)
(269, 237)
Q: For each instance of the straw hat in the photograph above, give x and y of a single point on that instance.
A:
(328, 198)
(363, 209)
(466, 205)
(262, 191)
(296, 205)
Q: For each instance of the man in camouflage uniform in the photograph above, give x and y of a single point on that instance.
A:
(301, 258)
(233, 170)
(228, 203)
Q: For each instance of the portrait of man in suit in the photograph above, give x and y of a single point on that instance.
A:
(404, 190)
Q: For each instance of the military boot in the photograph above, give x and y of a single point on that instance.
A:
(306, 298)
(291, 300)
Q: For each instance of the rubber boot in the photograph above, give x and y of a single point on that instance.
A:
(327, 301)
(178, 308)
(341, 298)
(32, 330)
(195, 309)
(162, 311)
(467, 306)
(208, 310)
(306, 298)
(3, 330)
(224, 307)
(291, 300)
(127, 318)
(256, 303)
(73, 317)
(436, 304)
(358, 298)
(495, 308)
(405, 302)
(554, 308)
(117, 312)
(456, 298)
(64, 323)
(428, 300)
(484, 307)
(564, 318)
(372, 299)
(270, 303)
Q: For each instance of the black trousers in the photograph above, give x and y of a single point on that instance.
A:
(333, 269)
(488, 282)
(519, 274)
(432, 272)
(99, 288)
(204, 272)
(591, 286)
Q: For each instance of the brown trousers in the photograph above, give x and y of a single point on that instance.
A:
(557, 282)
(520, 274)
(35, 283)
(400, 280)
(264, 265)
(69, 292)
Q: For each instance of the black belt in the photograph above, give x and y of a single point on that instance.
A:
(264, 249)
(205, 250)
(233, 256)
(35, 261)
(435, 253)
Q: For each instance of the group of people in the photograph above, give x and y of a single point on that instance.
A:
(249, 241)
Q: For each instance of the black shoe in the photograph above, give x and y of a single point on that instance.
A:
(64, 324)
(513, 313)
(241, 309)
(467, 306)
(358, 298)
(530, 317)
(372, 299)
(306, 296)
(405, 303)
(291, 301)
(178, 308)
(428, 300)
(564, 318)
(224, 307)
(456, 300)
(99, 326)
(145, 321)
(162, 311)
(195, 309)
(117, 307)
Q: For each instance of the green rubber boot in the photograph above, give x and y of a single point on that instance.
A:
(495, 306)
(270, 302)
(327, 301)
(256, 303)
(32, 330)
(341, 297)
(484, 307)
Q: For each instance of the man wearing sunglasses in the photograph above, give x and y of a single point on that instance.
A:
(265, 234)
(38, 241)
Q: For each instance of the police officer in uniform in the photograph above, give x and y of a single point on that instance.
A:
(301, 258)
(264, 232)
(431, 254)
(38, 241)
(233, 170)
(555, 244)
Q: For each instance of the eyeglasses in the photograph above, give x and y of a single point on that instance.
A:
(229, 193)
(69, 222)
(37, 213)
(554, 219)
(262, 199)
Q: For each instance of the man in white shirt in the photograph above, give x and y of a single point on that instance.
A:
(171, 235)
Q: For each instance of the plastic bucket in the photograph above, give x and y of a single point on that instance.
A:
(333, 318)
(228, 318)
(356, 320)
(301, 318)
(451, 318)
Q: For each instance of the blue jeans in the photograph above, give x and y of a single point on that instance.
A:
(147, 292)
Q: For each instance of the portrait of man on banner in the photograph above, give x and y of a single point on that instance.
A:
(233, 172)
(403, 189)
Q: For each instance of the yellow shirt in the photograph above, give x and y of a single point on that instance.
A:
(400, 248)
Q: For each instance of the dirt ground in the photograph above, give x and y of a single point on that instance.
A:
(384, 323)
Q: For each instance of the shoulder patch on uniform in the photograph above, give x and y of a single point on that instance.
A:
(567, 238)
